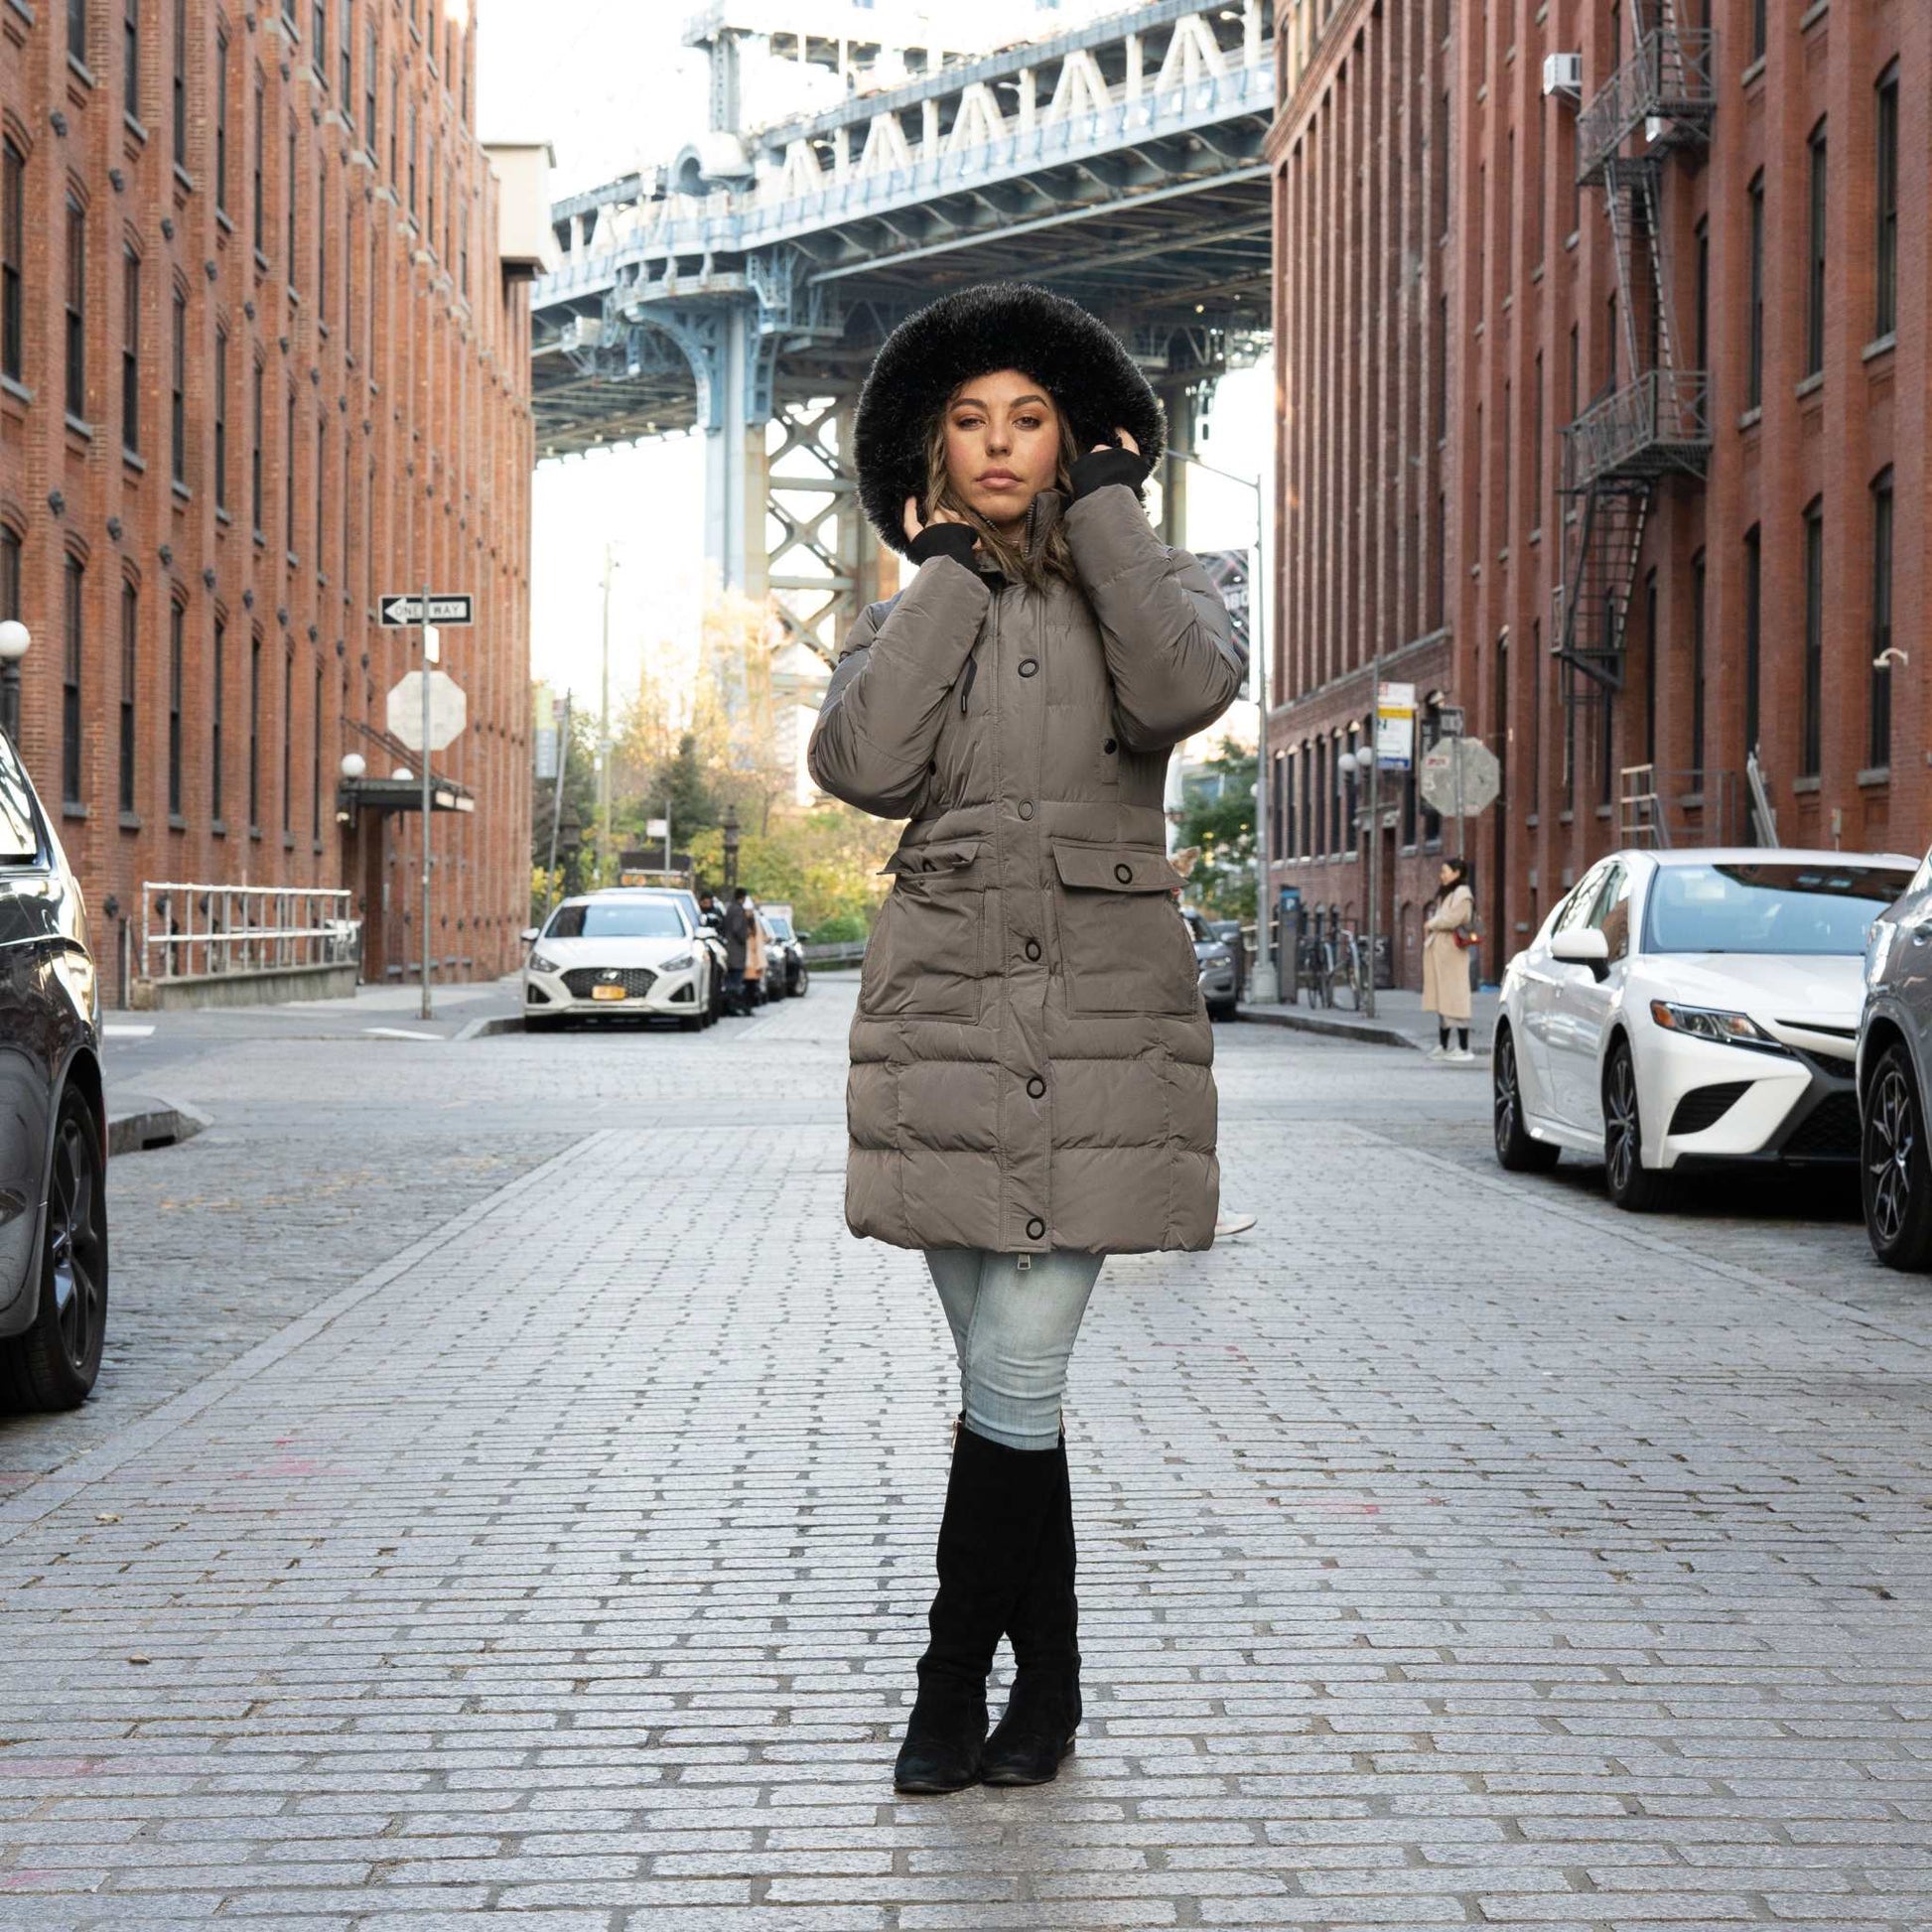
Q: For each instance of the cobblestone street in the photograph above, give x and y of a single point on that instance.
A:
(511, 1492)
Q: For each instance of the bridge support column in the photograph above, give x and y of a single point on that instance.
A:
(1181, 400)
(734, 467)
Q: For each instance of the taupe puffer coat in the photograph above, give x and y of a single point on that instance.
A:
(1030, 1059)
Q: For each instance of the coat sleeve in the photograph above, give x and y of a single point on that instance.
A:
(879, 722)
(1171, 649)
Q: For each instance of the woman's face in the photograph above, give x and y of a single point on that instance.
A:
(1446, 877)
(1003, 445)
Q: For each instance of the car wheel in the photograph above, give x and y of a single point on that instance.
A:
(1897, 1185)
(1516, 1150)
(1631, 1185)
(53, 1365)
(1222, 1009)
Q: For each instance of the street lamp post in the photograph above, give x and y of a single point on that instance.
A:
(1264, 984)
(14, 642)
(731, 847)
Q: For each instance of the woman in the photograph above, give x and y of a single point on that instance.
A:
(755, 954)
(1029, 1087)
(1446, 961)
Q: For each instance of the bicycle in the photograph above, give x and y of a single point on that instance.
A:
(1350, 972)
(1315, 969)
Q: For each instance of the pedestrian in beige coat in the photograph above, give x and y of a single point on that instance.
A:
(1030, 1086)
(1446, 961)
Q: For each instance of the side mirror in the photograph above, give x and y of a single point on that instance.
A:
(1582, 946)
(529, 935)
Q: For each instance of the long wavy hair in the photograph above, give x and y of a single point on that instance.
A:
(1035, 568)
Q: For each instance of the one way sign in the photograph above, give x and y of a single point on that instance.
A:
(445, 607)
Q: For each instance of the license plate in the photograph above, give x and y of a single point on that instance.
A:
(607, 993)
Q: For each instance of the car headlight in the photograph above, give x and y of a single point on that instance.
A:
(681, 964)
(539, 963)
(1708, 1023)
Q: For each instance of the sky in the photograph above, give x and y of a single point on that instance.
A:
(608, 84)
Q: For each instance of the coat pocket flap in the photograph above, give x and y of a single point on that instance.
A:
(942, 855)
(1115, 868)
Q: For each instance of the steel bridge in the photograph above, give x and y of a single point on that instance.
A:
(743, 288)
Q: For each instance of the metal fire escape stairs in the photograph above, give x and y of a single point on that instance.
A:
(1653, 420)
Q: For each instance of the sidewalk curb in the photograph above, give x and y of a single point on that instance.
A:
(1366, 1033)
(498, 1023)
(143, 1120)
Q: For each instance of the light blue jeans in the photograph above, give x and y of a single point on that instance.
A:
(1013, 1329)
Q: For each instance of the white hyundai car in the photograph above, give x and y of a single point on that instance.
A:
(1683, 1009)
(619, 953)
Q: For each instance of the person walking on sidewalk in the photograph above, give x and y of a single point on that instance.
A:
(1030, 1086)
(754, 955)
(1447, 934)
(737, 930)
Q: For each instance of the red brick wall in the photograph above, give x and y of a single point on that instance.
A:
(1522, 258)
(409, 364)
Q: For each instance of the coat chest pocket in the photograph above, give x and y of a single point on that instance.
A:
(1124, 948)
(923, 960)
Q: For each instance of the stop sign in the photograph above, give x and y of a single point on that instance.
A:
(448, 711)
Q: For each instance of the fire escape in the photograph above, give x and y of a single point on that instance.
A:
(1652, 420)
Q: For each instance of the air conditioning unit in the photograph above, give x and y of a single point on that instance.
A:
(1562, 74)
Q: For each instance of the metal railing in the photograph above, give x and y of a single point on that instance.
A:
(1657, 423)
(190, 931)
(1668, 86)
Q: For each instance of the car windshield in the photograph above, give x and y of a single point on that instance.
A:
(778, 924)
(1768, 907)
(616, 919)
(19, 839)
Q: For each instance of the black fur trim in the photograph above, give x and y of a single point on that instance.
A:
(996, 325)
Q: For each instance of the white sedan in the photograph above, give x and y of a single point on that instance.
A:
(1693, 1008)
(623, 953)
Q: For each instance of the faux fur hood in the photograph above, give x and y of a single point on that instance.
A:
(1083, 363)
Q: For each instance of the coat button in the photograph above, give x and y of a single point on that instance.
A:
(1110, 746)
(1035, 1229)
(1032, 948)
(1028, 666)
(1035, 1086)
(1124, 873)
(1025, 809)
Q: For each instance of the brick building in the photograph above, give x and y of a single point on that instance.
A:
(1661, 499)
(262, 357)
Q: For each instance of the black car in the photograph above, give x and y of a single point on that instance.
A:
(787, 974)
(52, 1120)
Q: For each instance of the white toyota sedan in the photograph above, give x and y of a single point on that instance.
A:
(1683, 1009)
(617, 953)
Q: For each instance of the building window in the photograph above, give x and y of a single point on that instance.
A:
(1815, 284)
(77, 31)
(255, 735)
(1879, 745)
(368, 87)
(1754, 635)
(322, 478)
(221, 123)
(322, 241)
(257, 426)
(130, 648)
(260, 169)
(395, 121)
(429, 190)
(463, 250)
(131, 40)
(1755, 361)
(130, 350)
(346, 78)
(180, 84)
(177, 393)
(74, 586)
(1811, 724)
(1536, 446)
(412, 159)
(1887, 200)
(9, 572)
(1701, 312)
(1696, 672)
(13, 247)
(222, 419)
(214, 724)
(288, 476)
(289, 237)
(288, 735)
(315, 766)
(318, 39)
(1650, 673)
(177, 623)
(77, 309)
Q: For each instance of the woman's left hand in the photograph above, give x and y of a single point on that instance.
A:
(1122, 441)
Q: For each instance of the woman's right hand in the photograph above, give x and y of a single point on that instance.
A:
(914, 528)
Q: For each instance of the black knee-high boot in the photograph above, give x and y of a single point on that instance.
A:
(1043, 1711)
(996, 1499)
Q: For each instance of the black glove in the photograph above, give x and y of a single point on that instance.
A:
(1099, 467)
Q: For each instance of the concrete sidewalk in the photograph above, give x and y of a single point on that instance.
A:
(1398, 1020)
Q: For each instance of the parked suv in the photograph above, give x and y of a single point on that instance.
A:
(1894, 1076)
(53, 1122)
